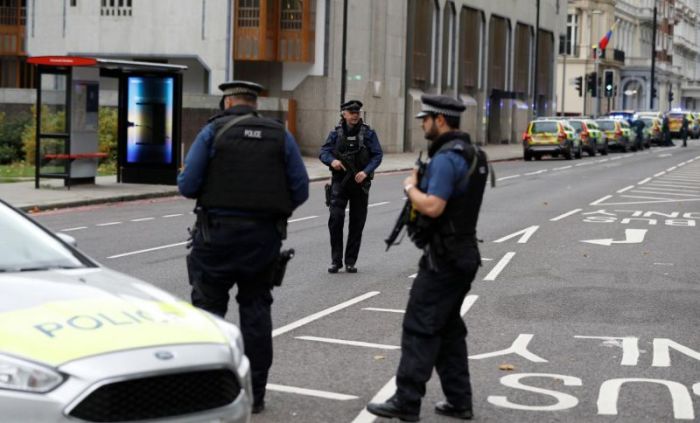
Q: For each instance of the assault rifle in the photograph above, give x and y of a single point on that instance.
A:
(351, 170)
(407, 214)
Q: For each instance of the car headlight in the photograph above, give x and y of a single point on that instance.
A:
(25, 376)
(234, 336)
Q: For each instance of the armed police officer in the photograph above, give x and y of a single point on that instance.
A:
(353, 153)
(248, 176)
(447, 199)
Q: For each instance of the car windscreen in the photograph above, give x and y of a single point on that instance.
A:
(592, 125)
(24, 246)
(577, 125)
(541, 127)
(606, 125)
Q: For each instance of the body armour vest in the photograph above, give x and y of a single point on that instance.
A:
(352, 146)
(248, 169)
(461, 213)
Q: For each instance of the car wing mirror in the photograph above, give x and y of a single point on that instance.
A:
(67, 239)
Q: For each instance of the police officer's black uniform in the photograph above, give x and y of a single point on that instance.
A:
(359, 149)
(433, 330)
(247, 176)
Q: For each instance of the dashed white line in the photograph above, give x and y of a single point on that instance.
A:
(384, 310)
(346, 342)
(413, 276)
(627, 188)
(147, 250)
(563, 167)
(468, 302)
(643, 181)
(507, 177)
(649, 191)
(536, 172)
(109, 224)
(302, 219)
(77, 228)
(379, 204)
(525, 235)
(663, 264)
(168, 216)
(600, 200)
(142, 219)
(310, 392)
(603, 161)
(308, 319)
(565, 215)
(584, 164)
(672, 168)
(493, 274)
(656, 175)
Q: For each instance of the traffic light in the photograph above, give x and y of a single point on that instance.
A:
(608, 83)
(670, 96)
(592, 83)
(579, 85)
(653, 93)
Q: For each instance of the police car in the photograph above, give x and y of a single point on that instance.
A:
(82, 343)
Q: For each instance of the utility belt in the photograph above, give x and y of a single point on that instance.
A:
(438, 246)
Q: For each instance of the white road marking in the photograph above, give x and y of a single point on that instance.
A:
(309, 392)
(565, 215)
(109, 224)
(584, 164)
(643, 181)
(681, 179)
(656, 175)
(378, 204)
(385, 310)
(526, 234)
(493, 274)
(676, 187)
(536, 173)
(563, 167)
(603, 161)
(346, 342)
(663, 264)
(167, 216)
(617, 158)
(665, 155)
(147, 250)
(600, 200)
(142, 219)
(672, 168)
(381, 396)
(301, 219)
(413, 276)
(627, 188)
(77, 228)
(468, 302)
(301, 322)
(507, 177)
(648, 191)
(486, 259)
(632, 236)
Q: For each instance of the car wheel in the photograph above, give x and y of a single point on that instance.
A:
(568, 153)
(591, 152)
(538, 156)
(605, 150)
(579, 152)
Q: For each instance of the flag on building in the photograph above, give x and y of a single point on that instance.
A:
(603, 43)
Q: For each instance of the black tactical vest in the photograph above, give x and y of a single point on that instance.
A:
(352, 146)
(247, 171)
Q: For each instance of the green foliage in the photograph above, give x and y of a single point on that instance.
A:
(11, 139)
(108, 135)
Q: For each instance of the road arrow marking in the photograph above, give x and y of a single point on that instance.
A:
(526, 234)
(632, 236)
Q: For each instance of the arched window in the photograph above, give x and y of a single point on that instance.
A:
(422, 19)
(449, 43)
(470, 27)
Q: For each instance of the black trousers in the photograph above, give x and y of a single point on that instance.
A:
(434, 335)
(239, 253)
(340, 197)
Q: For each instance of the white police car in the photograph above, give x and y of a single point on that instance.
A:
(79, 342)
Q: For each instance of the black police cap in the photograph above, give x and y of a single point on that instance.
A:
(351, 106)
(440, 105)
(241, 88)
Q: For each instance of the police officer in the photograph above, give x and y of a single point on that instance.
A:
(248, 176)
(666, 130)
(448, 198)
(684, 130)
(353, 153)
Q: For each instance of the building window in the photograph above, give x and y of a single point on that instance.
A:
(73, 3)
(448, 46)
(423, 20)
(470, 27)
(291, 15)
(571, 39)
(13, 12)
(116, 8)
(248, 13)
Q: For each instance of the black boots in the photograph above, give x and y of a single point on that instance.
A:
(444, 408)
(393, 409)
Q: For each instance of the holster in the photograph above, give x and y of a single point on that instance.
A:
(279, 267)
(202, 224)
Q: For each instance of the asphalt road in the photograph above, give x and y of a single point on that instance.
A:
(560, 329)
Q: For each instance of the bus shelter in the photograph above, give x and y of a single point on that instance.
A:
(149, 109)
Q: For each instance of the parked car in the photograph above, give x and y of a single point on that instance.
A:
(631, 135)
(652, 126)
(592, 139)
(628, 115)
(675, 123)
(613, 130)
(82, 343)
(553, 137)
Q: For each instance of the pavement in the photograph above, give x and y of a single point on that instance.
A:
(52, 194)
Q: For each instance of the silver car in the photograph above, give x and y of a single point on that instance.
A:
(82, 343)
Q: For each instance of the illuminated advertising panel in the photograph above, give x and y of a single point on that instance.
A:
(149, 124)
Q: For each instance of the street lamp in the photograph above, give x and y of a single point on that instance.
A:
(596, 57)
